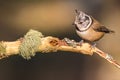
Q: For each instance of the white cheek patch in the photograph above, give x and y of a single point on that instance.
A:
(86, 24)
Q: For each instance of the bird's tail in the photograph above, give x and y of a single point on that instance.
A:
(111, 31)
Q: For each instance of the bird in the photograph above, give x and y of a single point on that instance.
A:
(88, 28)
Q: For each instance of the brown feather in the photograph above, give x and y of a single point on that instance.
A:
(104, 29)
(100, 28)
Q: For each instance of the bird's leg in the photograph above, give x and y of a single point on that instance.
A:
(93, 44)
(81, 42)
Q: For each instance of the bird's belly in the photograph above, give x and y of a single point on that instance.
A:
(90, 35)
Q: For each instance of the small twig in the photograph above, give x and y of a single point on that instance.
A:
(27, 47)
(107, 56)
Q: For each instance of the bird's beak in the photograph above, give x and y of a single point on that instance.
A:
(77, 12)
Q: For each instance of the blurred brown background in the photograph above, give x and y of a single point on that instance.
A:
(55, 18)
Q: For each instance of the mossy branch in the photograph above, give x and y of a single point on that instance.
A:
(34, 42)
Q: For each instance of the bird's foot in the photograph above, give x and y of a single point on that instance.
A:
(70, 42)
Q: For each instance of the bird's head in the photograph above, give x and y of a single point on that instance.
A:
(82, 21)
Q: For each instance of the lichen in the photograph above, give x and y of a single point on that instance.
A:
(2, 48)
(30, 44)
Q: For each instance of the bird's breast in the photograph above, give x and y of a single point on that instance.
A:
(90, 34)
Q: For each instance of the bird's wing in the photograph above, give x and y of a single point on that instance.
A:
(103, 29)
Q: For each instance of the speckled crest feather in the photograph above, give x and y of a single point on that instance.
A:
(30, 44)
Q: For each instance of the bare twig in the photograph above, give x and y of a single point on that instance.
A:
(53, 44)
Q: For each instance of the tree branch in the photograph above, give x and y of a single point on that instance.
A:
(26, 47)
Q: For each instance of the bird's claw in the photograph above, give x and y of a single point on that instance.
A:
(70, 42)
